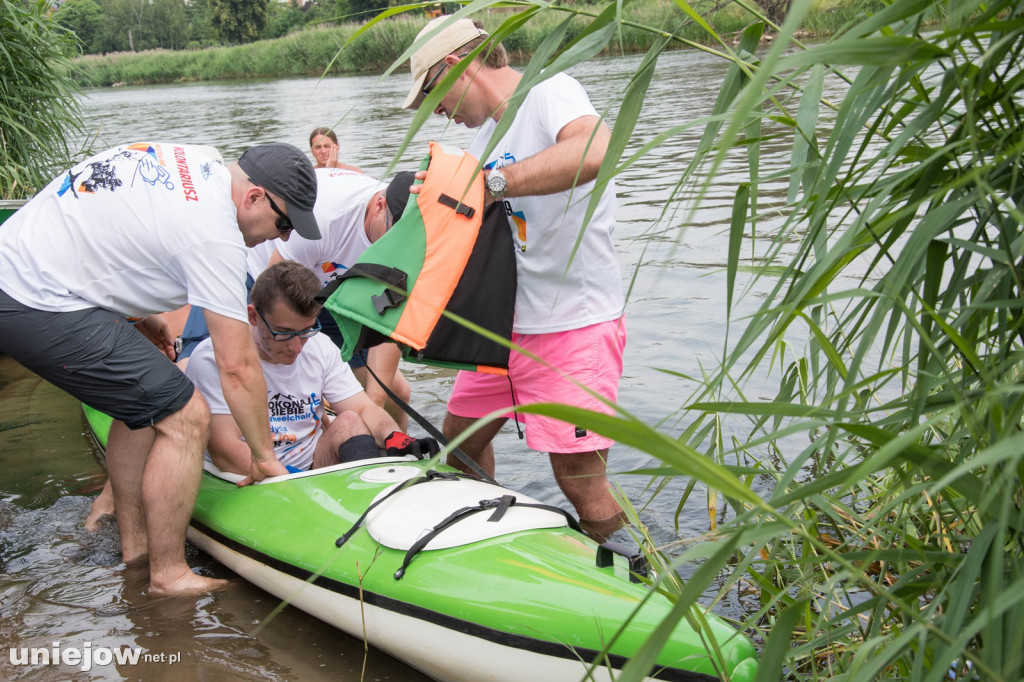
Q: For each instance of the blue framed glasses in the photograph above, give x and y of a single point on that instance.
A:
(288, 336)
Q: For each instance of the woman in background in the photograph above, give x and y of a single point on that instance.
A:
(323, 144)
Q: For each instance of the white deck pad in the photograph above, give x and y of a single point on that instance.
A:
(402, 519)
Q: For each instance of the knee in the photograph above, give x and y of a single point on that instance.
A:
(192, 419)
(346, 425)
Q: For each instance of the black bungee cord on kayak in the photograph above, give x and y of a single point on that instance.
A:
(428, 476)
(500, 505)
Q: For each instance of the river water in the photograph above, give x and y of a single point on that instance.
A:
(61, 584)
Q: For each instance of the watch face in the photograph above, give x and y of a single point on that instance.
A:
(496, 182)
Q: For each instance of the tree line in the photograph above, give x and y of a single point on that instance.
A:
(103, 26)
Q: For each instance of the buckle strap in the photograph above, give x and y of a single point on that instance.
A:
(395, 281)
(456, 205)
(453, 518)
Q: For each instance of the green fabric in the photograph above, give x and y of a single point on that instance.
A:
(351, 306)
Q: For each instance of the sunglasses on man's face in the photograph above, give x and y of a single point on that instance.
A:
(283, 224)
(429, 87)
(288, 336)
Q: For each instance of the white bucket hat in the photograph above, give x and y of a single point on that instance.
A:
(444, 41)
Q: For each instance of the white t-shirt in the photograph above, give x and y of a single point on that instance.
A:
(257, 257)
(295, 394)
(139, 229)
(340, 208)
(550, 298)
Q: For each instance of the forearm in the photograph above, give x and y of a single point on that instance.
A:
(245, 392)
(378, 422)
(383, 361)
(242, 383)
(226, 447)
(573, 160)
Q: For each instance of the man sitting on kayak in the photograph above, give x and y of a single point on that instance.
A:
(302, 369)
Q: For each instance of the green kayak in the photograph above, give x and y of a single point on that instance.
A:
(461, 579)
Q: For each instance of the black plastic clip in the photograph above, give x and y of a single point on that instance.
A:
(500, 505)
(459, 207)
(388, 299)
(638, 566)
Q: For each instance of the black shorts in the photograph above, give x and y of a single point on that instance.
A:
(98, 357)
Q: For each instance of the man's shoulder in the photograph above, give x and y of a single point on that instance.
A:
(343, 178)
(321, 349)
(558, 84)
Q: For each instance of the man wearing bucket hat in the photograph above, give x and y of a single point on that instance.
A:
(569, 301)
(86, 268)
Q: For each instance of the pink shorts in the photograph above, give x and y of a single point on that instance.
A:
(591, 355)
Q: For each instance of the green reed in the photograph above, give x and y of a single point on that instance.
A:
(38, 107)
(890, 543)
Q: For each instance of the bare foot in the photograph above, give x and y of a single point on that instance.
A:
(102, 506)
(185, 582)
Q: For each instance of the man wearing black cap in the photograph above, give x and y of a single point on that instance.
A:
(86, 268)
(353, 211)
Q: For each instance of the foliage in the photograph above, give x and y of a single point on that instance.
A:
(887, 541)
(200, 27)
(141, 25)
(38, 111)
(282, 18)
(775, 11)
(314, 50)
(238, 21)
(360, 10)
(84, 18)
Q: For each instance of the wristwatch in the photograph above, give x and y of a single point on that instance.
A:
(496, 183)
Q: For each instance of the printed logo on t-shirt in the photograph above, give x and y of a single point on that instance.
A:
(103, 175)
(334, 270)
(187, 186)
(518, 218)
(290, 408)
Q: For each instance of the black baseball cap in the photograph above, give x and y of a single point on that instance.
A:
(284, 170)
(397, 193)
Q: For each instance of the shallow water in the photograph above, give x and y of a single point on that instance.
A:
(59, 583)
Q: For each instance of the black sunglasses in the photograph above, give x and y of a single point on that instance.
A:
(430, 83)
(288, 336)
(283, 224)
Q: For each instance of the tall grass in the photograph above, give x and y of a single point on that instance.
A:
(317, 50)
(891, 543)
(38, 109)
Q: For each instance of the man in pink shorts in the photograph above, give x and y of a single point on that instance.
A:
(569, 301)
